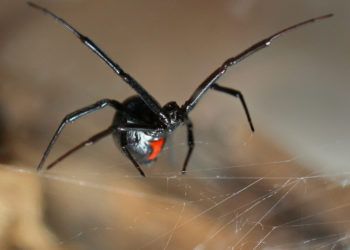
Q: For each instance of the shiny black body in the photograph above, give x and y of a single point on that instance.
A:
(137, 141)
(140, 122)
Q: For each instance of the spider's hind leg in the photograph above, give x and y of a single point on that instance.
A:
(72, 117)
(190, 143)
(92, 140)
(123, 144)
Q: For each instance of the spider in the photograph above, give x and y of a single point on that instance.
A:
(141, 125)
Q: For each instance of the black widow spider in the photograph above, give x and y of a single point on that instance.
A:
(141, 125)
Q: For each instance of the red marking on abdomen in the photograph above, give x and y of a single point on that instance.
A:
(156, 148)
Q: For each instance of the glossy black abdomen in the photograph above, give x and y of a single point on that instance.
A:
(144, 146)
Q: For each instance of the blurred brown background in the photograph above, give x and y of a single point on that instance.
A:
(297, 92)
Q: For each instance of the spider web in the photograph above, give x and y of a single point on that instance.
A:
(253, 202)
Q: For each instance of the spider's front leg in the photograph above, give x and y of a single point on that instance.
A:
(72, 117)
(220, 71)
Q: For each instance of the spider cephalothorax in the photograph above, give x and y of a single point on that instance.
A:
(141, 125)
(175, 115)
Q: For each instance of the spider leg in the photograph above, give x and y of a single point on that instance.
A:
(72, 117)
(93, 139)
(190, 143)
(146, 97)
(238, 94)
(124, 144)
(213, 77)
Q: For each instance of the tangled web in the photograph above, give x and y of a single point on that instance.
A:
(248, 196)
